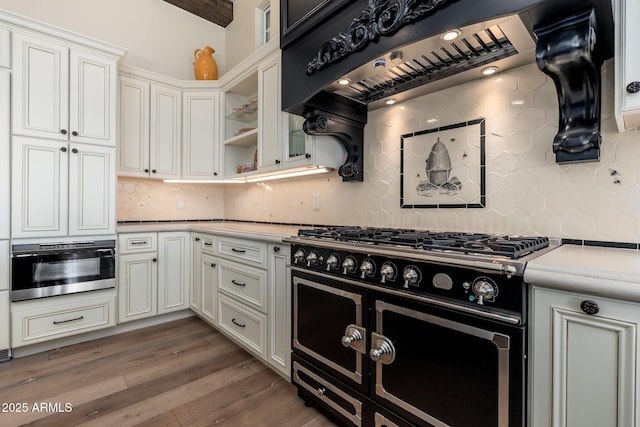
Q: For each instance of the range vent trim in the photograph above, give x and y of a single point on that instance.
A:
(379, 18)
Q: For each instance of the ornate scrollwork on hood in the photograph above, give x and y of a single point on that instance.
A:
(379, 18)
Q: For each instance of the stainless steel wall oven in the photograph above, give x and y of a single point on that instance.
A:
(50, 269)
(387, 334)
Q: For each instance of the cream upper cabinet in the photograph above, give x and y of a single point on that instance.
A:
(5, 159)
(5, 47)
(61, 189)
(150, 129)
(270, 155)
(92, 193)
(62, 93)
(627, 63)
(583, 366)
(40, 189)
(200, 134)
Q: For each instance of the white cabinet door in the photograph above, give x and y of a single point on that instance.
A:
(62, 93)
(627, 62)
(39, 188)
(165, 132)
(173, 271)
(138, 284)
(133, 146)
(279, 355)
(92, 200)
(200, 135)
(40, 88)
(5, 332)
(5, 160)
(195, 294)
(92, 99)
(209, 279)
(584, 367)
(269, 115)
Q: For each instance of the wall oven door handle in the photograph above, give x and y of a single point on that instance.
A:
(25, 255)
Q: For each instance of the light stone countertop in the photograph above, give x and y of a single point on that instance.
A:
(271, 233)
(599, 271)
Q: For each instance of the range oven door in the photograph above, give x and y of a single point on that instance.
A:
(447, 369)
(39, 271)
(328, 327)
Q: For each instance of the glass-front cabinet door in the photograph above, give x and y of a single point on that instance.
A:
(297, 144)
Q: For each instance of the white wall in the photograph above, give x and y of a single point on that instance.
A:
(241, 32)
(159, 36)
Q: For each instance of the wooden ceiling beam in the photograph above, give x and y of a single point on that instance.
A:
(217, 11)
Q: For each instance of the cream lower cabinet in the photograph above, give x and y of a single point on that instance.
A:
(153, 274)
(61, 189)
(45, 319)
(584, 368)
(204, 277)
(279, 297)
(242, 293)
(5, 332)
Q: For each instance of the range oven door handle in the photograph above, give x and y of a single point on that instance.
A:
(355, 337)
(382, 349)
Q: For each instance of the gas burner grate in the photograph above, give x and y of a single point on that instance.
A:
(467, 243)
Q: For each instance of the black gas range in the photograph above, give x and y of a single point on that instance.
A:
(405, 327)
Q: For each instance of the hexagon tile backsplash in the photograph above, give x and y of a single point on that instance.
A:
(527, 192)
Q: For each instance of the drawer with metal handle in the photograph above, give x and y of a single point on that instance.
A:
(31, 326)
(244, 283)
(247, 251)
(137, 242)
(243, 324)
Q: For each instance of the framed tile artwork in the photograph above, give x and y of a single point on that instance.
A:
(444, 167)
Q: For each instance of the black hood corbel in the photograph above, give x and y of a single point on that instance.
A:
(567, 52)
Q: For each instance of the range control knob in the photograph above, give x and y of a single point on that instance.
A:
(332, 262)
(388, 272)
(411, 276)
(298, 256)
(485, 289)
(312, 258)
(349, 265)
(367, 268)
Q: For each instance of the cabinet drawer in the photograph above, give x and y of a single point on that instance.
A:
(132, 243)
(63, 320)
(244, 324)
(247, 284)
(249, 251)
(209, 245)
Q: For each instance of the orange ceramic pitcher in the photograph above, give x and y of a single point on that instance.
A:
(204, 66)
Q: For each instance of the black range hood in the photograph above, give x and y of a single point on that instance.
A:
(394, 48)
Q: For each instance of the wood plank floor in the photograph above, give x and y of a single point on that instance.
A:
(181, 373)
